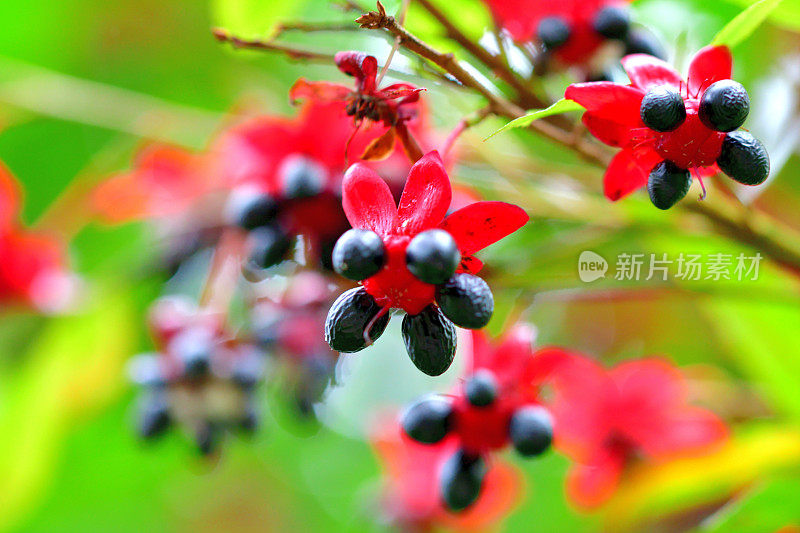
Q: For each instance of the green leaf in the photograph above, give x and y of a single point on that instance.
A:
(745, 23)
(253, 18)
(562, 106)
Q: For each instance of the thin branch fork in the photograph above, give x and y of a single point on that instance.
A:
(224, 36)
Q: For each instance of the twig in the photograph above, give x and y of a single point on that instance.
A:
(224, 271)
(224, 36)
(401, 16)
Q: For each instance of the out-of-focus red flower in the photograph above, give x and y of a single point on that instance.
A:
(613, 116)
(521, 18)
(368, 204)
(392, 106)
(33, 266)
(411, 497)
(604, 419)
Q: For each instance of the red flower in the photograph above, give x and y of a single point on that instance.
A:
(33, 268)
(521, 18)
(368, 204)
(613, 116)
(411, 491)
(606, 418)
(483, 428)
(392, 105)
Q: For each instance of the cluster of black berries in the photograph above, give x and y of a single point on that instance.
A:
(299, 203)
(722, 109)
(417, 275)
(483, 416)
(200, 378)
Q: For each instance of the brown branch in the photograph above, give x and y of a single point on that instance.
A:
(224, 36)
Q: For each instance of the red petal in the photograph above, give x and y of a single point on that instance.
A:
(685, 430)
(613, 133)
(470, 264)
(646, 71)
(611, 101)
(478, 225)
(10, 194)
(710, 64)
(508, 358)
(367, 200)
(408, 92)
(501, 493)
(628, 171)
(321, 91)
(426, 196)
(363, 67)
(591, 484)
(25, 258)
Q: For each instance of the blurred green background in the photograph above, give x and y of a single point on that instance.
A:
(83, 83)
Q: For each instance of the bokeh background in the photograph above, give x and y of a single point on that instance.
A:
(84, 83)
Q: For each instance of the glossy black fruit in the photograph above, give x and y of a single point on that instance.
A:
(256, 211)
(248, 371)
(194, 348)
(531, 430)
(662, 109)
(724, 105)
(430, 340)
(553, 32)
(466, 300)
(349, 316)
(359, 254)
(154, 416)
(744, 158)
(429, 420)
(433, 256)
(207, 438)
(612, 22)
(461, 480)
(270, 246)
(640, 41)
(481, 388)
(302, 177)
(667, 184)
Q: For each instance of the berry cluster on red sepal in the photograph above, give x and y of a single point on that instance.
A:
(669, 128)
(572, 31)
(493, 407)
(413, 256)
(201, 377)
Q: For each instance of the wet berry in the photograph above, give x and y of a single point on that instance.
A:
(663, 109)
(359, 254)
(349, 316)
(194, 347)
(481, 388)
(531, 430)
(640, 41)
(724, 105)
(461, 479)
(433, 256)
(553, 32)
(430, 340)
(302, 177)
(744, 158)
(270, 246)
(154, 416)
(429, 420)
(466, 300)
(254, 211)
(667, 184)
(612, 22)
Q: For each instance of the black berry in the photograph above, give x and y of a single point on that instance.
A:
(428, 420)
(724, 105)
(481, 388)
(639, 41)
(531, 430)
(662, 109)
(553, 32)
(461, 480)
(430, 340)
(194, 348)
(612, 22)
(667, 184)
(302, 177)
(254, 211)
(270, 246)
(433, 256)
(154, 416)
(744, 158)
(359, 254)
(348, 318)
(466, 300)
(207, 438)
